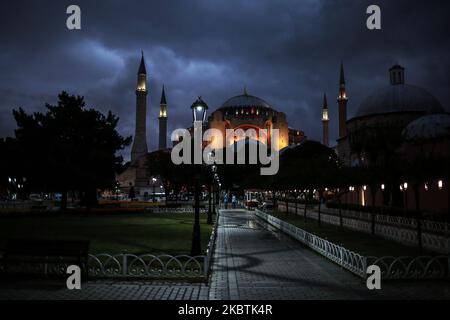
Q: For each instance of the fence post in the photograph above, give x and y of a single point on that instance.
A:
(373, 223)
(364, 271)
(419, 233)
(206, 265)
(124, 265)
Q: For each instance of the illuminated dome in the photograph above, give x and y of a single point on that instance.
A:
(428, 127)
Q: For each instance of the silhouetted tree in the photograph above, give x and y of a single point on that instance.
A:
(70, 147)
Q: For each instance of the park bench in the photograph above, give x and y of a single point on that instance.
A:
(32, 257)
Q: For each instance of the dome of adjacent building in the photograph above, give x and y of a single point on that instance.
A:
(428, 127)
(399, 97)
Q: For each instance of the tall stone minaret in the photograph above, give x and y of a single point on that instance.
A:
(342, 102)
(325, 120)
(139, 148)
(163, 121)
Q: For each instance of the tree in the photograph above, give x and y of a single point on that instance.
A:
(308, 166)
(72, 147)
(376, 148)
(173, 177)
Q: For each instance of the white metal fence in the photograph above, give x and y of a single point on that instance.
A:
(435, 236)
(129, 265)
(151, 266)
(423, 267)
(174, 210)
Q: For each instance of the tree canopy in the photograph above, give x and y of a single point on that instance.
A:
(69, 147)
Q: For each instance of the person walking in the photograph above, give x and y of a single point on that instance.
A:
(225, 200)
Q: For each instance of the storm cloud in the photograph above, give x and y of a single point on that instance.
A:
(286, 52)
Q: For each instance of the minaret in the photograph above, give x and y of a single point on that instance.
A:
(342, 102)
(325, 120)
(163, 121)
(139, 148)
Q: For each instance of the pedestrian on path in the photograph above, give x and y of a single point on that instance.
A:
(225, 200)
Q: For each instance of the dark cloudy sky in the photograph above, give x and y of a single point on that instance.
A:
(286, 52)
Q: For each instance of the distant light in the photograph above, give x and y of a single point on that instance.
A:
(440, 184)
(401, 188)
(364, 188)
(426, 186)
(405, 185)
(382, 186)
(199, 108)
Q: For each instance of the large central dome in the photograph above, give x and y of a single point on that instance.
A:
(246, 100)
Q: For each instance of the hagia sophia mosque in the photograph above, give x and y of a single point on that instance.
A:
(420, 118)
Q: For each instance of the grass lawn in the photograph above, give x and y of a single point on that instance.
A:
(362, 243)
(127, 232)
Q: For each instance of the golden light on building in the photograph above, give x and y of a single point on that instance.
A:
(325, 115)
(142, 86)
(163, 112)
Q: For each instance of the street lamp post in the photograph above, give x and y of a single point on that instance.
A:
(199, 108)
(212, 192)
(209, 221)
(154, 188)
(213, 198)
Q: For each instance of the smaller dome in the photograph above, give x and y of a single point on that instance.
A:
(399, 98)
(428, 127)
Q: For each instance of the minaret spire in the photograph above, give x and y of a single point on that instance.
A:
(142, 69)
(342, 102)
(325, 120)
(342, 76)
(139, 148)
(163, 121)
(163, 96)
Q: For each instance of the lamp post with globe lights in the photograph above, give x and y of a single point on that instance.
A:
(199, 109)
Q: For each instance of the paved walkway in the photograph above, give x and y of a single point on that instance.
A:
(252, 261)
(107, 290)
